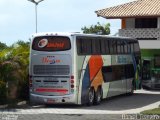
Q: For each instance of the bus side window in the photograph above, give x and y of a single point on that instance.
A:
(79, 46)
(125, 48)
(136, 47)
(104, 46)
(96, 47)
(132, 47)
(114, 46)
(107, 46)
(110, 47)
(107, 73)
(118, 72)
(84, 46)
(122, 47)
(118, 47)
(129, 71)
(129, 47)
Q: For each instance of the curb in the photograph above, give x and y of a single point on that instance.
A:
(3, 106)
(22, 103)
(18, 104)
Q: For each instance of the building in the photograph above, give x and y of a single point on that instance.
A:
(140, 19)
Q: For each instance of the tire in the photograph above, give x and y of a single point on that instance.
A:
(91, 95)
(98, 96)
(140, 85)
(132, 89)
(31, 103)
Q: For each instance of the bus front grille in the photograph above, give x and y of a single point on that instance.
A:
(51, 69)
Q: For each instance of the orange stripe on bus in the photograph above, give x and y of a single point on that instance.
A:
(95, 64)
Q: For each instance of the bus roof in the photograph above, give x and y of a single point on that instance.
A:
(77, 34)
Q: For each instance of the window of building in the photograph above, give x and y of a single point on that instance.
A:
(146, 23)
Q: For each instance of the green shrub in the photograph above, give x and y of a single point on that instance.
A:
(23, 90)
(3, 93)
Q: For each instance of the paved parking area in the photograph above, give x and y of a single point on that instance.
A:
(140, 101)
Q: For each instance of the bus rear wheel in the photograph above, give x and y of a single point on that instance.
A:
(91, 95)
(98, 96)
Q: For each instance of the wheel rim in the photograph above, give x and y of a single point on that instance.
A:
(99, 95)
(91, 96)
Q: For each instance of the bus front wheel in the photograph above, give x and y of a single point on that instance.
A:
(91, 95)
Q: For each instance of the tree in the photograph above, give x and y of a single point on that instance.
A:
(97, 29)
(2, 46)
(14, 61)
(20, 56)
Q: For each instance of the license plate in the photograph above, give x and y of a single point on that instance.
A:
(50, 101)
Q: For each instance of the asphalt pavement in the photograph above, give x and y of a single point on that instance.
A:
(110, 109)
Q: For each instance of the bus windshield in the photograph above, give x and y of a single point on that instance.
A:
(51, 43)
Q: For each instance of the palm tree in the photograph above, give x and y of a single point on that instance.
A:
(14, 62)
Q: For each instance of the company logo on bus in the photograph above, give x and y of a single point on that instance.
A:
(50, 60)
(42, 43)
(55, 45)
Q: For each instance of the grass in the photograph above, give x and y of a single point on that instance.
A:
(155, 111)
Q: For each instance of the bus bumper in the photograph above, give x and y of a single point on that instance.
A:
(40, 99)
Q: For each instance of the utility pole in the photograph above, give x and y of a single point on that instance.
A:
(36, 2)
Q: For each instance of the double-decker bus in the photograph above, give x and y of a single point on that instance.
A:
(76, 68)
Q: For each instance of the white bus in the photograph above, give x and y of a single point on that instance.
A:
(75, 68)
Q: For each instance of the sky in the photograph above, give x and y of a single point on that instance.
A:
(17, 17)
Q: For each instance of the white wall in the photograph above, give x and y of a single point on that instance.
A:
(158, 22)
(149, 44)
(130, 23)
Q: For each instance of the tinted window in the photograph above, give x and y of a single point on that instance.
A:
(125, 48)
(104, 46)
(122, 47)
(92, 46)
(107, 73)
(84, 46)
(129, 48)
(132, 47)
(113, 46)
(119, 46)
(117, 72)
(129, 71)
(146, 23)
(110, 47)
(96, 46)
(136, 47)
(51, 43)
